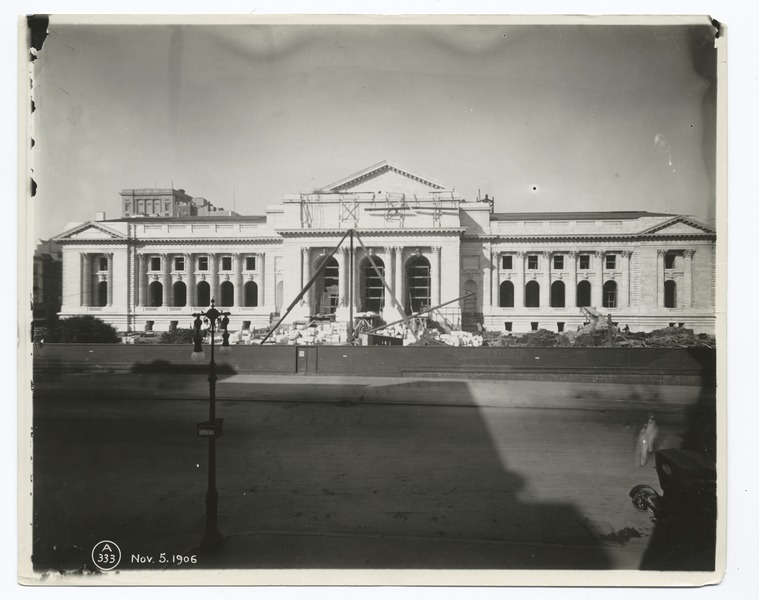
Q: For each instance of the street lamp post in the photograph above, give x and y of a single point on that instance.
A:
(213, 427)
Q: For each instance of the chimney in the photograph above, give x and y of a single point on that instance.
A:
(100, 215)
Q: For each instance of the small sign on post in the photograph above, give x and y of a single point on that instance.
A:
(213, 429)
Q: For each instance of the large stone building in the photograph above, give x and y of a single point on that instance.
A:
(523, 271)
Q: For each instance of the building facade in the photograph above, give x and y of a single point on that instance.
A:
(506, 271)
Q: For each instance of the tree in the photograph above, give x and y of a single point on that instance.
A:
(83, 330)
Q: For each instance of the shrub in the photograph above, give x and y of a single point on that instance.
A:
(178, 336)
(83, 330)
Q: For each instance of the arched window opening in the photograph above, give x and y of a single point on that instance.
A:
(583, 293)
(203, 294)
(227, 293)
(251, 293)
(610, 294)
(507, 294)
(327, 287)
(102, 293)
(155, 291)
(670, 294)
(373, 292)
(418, 284)
(557, 294)
(532, 294)
(180, 294)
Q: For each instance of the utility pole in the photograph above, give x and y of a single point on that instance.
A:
(350, 291)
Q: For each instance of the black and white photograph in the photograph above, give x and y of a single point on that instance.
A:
(373, 300)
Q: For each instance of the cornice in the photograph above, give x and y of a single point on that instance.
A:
(308, 233)
(589, 237)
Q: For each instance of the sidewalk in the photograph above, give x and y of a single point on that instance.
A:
(381, 390)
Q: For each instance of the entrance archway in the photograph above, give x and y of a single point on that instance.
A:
(227, 293)
(506, 299)
(583, 293)
(372, 290)
(418, 284)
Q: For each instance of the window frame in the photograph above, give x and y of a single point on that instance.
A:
(225, 259)
(155, 260)
(584, 258)
(102, 263)
(201, 260)
(179, 263)
(248, 259)
(610, 262)
(507, 262)
(558, 262)
(530, 259)
(670, 256)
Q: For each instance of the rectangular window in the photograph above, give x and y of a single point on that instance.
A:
(507, 263)
(611, 261)
(250, 263)
(507, 325)
(558, 262)
(226, 263)
(103, 263)
(559, 326)
(155, 263)
(669, 261)
(179, 263)
(585, 261)
(203, 263)
(532, 262)
(534, 325)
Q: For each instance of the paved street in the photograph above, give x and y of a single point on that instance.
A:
(325, 472)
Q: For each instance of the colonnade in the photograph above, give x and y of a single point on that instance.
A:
(570, 274)
(394, 260)
(93, 273)
(192, 275)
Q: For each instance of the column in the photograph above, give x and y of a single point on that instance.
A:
(624, 284)
(238, 258)
(189, 265)
(571, 287)
(688, 278)
(435, 276)
(342, 275)
(109, 279)
(495, 279)
(306, 273)
(142, 284)
(398, 287)
(660, 253)
(487, 280)
(389, 274)
(213, 267)
(596, 292)
(545, 285)
(166, 279)
(520, 283)
(261, 263)
(86, 279)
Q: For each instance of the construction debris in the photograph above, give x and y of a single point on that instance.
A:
(597, 336)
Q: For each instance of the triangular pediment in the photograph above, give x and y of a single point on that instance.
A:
(90, 231)
(679, 226)
(382, 178)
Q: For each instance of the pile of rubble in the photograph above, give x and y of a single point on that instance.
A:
(670, 337)
(298, 334)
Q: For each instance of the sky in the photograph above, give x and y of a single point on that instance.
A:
(543, 118)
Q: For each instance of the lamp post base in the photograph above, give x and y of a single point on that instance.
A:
(211, 543)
